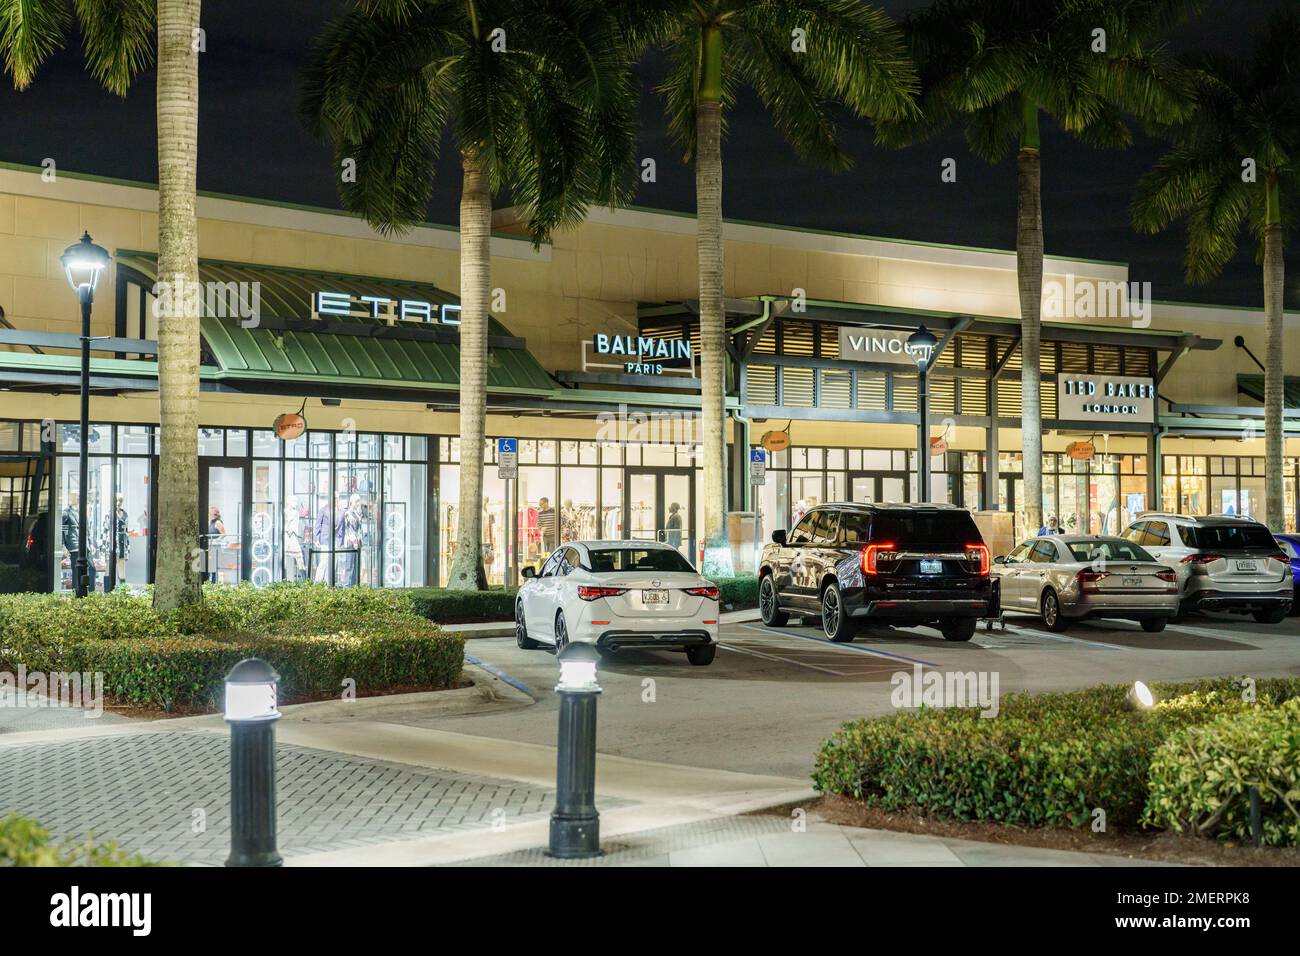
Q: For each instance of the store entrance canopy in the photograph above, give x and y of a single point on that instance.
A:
(273, 328)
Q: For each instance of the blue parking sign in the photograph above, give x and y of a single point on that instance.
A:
(507, 446)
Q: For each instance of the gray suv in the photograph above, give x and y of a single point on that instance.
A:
(1224, 563)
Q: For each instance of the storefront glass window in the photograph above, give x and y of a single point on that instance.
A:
(579, 520)
(404, 521)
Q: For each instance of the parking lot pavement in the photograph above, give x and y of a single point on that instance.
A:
(772, 695)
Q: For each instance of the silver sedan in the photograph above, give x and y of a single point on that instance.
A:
(1067, 578)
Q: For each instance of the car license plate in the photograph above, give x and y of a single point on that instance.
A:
(1132, 582)
(649, 598)
(931, 566)
(1247, 565)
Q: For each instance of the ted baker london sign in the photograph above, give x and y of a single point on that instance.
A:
(1114, 397)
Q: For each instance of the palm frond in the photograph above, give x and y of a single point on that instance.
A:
(30, 30)
(118, 36)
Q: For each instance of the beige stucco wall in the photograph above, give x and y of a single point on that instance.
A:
(588, 279)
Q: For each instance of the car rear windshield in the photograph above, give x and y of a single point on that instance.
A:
(610, 560)
(928, 529)
(1226, 537)
(1112, 549)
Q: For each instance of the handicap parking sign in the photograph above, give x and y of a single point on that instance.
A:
(507, 457)
(757, 466)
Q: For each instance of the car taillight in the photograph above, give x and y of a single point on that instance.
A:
(979, 552)
(1280, 557)
(710, 592)
(1088, 580)
(588, 593)
(1169, 576)
(1201, 559)
(872, 554)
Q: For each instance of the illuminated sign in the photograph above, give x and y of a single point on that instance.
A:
(382, 307)
(859, 344)
(644, 354)
(1109, 397)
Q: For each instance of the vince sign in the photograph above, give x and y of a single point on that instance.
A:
(874, 345)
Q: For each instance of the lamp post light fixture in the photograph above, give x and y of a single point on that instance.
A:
(83, 263)
(251, 712)
(921, 345)
(1140, 696)
(575, 823)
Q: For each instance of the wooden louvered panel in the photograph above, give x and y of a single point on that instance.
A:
(1009, 398)
(1074, 357)
(904, 393)
(837, 388)
(760, 385)
(830, 345)
(974, 350)
(1105, 359)
(1138, 362)
(943, 396)
(797, 387)
(974, 396)
(798, 338)
(871, 391)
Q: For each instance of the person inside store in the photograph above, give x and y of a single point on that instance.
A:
(673, 525)
(71, 521)
(121, 531)
(348, 537)
(321, 538)
(546, 524)
(1052, 526)
(216, 538)
(292, 540)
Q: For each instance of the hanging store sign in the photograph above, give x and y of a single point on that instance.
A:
(938, 445)
(775, 441)
(642, 354)
(1105, 398)
(859, 344)
(289, 426)
(349, 304)
(1081, 450)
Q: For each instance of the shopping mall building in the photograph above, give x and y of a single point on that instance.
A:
(593, 370)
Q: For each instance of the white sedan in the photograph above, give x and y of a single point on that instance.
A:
(618, 594)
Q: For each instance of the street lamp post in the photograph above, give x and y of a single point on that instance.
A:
(575, 823)
(83, 262)
(920, 345)
(251, 712)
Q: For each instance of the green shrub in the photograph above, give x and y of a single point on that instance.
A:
(1045, 760)
(738, 593)
(1199, 778)
(314, 635)
(444, 606)
(24, 842)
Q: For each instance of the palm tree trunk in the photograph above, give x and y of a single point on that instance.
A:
(1029, 275)
(1274, 380)
(466, 572)
(708, 213)
(176, 578)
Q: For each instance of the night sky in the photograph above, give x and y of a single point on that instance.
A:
(251, 143)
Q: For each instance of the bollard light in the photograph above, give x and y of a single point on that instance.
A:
(251, 698)
(575, 822)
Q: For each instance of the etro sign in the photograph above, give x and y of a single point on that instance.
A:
(382, 307)
(860, 344)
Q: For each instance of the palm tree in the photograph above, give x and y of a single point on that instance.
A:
(116, 37)
(800, 57)
(998, 65)
(538, 98)
(1234, 165)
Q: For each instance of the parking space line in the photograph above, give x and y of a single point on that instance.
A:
(497, 672)
(784, 660)
(1024, 632)
(831, 645)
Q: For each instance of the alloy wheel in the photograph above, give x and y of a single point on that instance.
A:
(561, 632)
(766, 599)
(830, 611)
(1050, 609)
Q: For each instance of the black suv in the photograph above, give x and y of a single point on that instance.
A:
(898, 564)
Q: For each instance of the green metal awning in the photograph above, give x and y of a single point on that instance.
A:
(1253, 387)
(354, 351)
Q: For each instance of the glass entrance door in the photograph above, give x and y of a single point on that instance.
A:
(866, 487)
(223, 498)
(659, 505)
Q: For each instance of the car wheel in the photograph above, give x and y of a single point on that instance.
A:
(561, 632)
(836, 623)
(521, 630)
(1051, 611)
(702, 654)
(1154, 625)
(958, 629)
(768, 608)
(1273, 615)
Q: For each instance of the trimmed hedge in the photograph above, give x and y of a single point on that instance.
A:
(1046, 760)
(1200, 777)
(498, 604)
(24, 842)
(313, 635)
